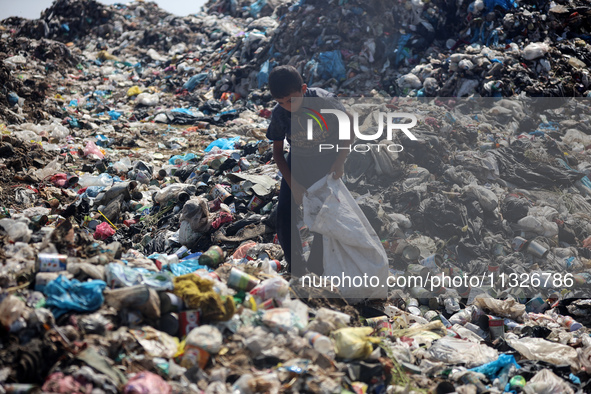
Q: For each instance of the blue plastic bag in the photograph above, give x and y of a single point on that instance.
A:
(402, 52)
(263, 75)
(331, 65)
(504, 4)
(256, 7)
(223, 143)
(185, 267)
(312, 67)
(192, 256)
(118, 275)
(494, 367)
(13, 98)
(185, 111)
(114, 114)
(183, 158)
(64, 295)
(194, 80)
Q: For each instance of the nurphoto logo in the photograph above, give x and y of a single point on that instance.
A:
(392, 122)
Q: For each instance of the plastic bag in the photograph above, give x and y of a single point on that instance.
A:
(256, 7)
(92, 149)
(16, 231)
(540, 349)
(538, 225)
(156, 343)
(193, 81)
(147, 99)
(185, 267)
(182, 159)
(206, 337)
(51, 168)
(223, 143)
(65, 295)
(104, 180)
(133, 91)
(118, 275)
(276, 288)
(200, 343)
(505, 4)
(455, 351)
(409, 81)
(506, 308)
(286, 319)
(351, 246)
(492, 369)
(180, 191)
(147, 382)
(546, 382)
(103, 231)
(354, 343)
(11, 309)
(263, 75)
(535, 50)
(487, 198)
(331, 65)
(122, 165)
(188, 236)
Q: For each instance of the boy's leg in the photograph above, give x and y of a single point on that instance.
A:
(315, 262)
(287, 231)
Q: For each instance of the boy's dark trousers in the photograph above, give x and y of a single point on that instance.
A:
(288, 215)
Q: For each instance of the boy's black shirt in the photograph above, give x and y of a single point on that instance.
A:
(281, 123)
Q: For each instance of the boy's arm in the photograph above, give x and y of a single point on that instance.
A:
(296, 189)
(338, 167)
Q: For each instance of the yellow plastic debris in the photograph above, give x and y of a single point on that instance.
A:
(133, 91)
(354, 342)
(104, 55)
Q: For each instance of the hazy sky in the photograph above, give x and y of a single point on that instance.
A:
(31, 9)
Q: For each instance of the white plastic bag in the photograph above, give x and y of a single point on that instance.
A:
(543, 350)
(454, 351)
(546, 382)
(535, 50)
(351, 246)
(51, 168)
(487, 198)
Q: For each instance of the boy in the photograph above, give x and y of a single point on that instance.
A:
(305, 164)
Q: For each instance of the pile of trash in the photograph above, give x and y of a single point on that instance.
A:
(138, 198)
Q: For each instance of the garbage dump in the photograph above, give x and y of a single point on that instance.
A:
(138, 199)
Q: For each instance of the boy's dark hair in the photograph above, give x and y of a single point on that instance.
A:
(284, 80)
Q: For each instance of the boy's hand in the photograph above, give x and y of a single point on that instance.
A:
(298, 192)
(337, 169)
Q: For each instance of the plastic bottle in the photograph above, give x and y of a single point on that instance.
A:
(571, 323)
(104, 180)
(321, 343)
